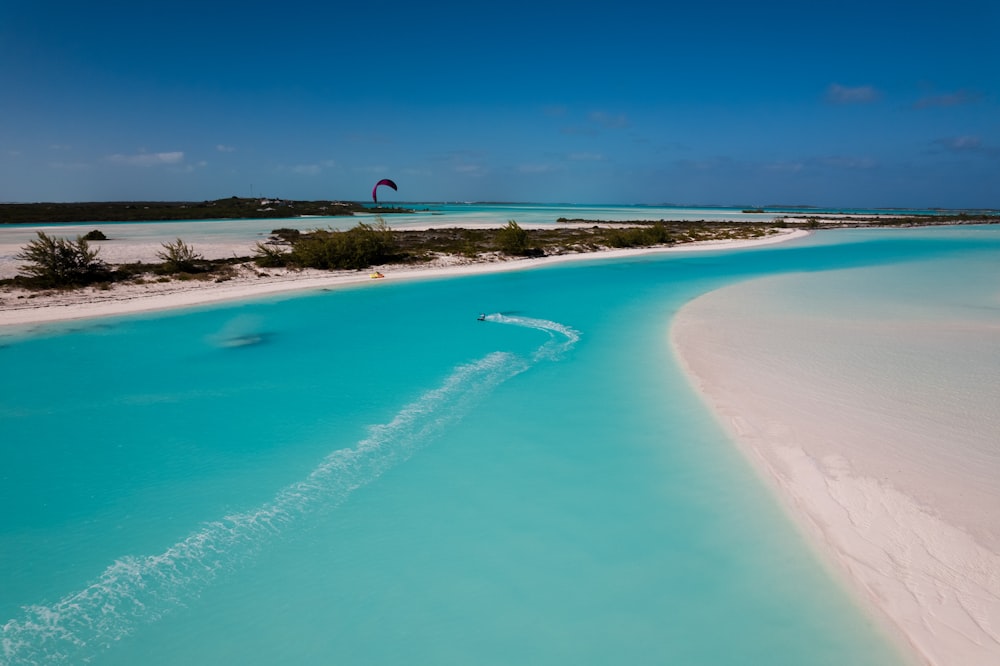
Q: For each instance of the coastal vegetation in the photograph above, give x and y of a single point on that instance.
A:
(513, 240)
(147, 211)
(656, 234)
(50, 262)
(58, 262)
(179, 257)
(360, 247)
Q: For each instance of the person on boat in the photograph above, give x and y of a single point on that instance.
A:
(482, 317)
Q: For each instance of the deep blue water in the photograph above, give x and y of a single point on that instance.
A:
(370, 475)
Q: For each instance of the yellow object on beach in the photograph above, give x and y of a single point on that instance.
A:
(376, 275)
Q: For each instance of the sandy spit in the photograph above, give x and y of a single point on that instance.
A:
(19, 307)
(901, 502)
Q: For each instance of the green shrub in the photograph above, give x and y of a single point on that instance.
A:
(57, 262)
(286, 234)
(512, 239)
(268, 255)
(656, 234)
(363, 246)
(179, 257)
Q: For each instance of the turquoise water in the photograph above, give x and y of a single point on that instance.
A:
(370, 475)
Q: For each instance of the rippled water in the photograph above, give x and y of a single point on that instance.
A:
(371, 475)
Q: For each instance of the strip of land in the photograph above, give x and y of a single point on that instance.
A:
(881, 437)
(149, 211)
(19, 307)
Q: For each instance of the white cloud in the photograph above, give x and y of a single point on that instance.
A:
(961, 143)
(969, 145)
(838, 94)
(370, 137)
(964, 146)
(579, 130)
(536, 168)
(849, 162)
(609, 120)
(706, 164)
(225, 149)
(957, 98)
(147, 159)
(309, 169)
(586, 157)
(188, 168)
(70, 166)
(785, 167)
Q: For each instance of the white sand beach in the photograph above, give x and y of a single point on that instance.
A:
(19, 307)
(880, 433)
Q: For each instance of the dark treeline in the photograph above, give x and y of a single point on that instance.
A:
(817, 221)
(149, 211)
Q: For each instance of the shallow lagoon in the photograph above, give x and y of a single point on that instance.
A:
(371, 475)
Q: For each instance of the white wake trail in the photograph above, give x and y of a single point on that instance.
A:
(138, 590)
(562, 337)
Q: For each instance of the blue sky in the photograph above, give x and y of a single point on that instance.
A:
(750, 103)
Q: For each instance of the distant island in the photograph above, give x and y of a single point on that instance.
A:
(242, 208)
(252, 208)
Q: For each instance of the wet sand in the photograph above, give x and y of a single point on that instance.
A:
(882, 436)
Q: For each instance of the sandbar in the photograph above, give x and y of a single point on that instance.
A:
(880, 433)
(20, 308)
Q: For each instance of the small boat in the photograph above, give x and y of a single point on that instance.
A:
(481, 317)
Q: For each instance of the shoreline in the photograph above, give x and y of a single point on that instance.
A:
(908, 525)
(23, 309)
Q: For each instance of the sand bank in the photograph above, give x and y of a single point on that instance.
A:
(882, 436)
(18, 307)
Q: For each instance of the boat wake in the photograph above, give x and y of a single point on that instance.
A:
(137, 590)
(562, 337)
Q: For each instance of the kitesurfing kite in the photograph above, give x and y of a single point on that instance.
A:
(384, 181)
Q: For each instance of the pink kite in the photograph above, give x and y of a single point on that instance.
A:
(384, 181)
